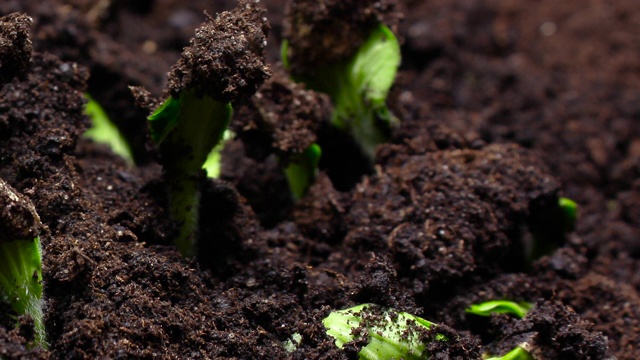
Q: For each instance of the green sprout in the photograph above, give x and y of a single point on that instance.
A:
(292, 344)
(187, 129)
(569, 211)
(21, 258)
(104, 131)
(223, 63)
(302, 169)
(389, 334)
(359, 86)
(487, 308)
(518, 353)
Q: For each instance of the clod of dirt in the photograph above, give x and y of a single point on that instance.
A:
(283, 118)
(554, 323)
(225, 59)
(323, 32)
(15, 45)
(449, 216)
(18, 217)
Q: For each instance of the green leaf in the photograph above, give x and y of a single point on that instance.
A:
(517, 353)
(390, 334)
(104, 131)
(21, 281)
(500, 307)
(359, 87)
(164, 119)
(375, 65)
(302, 170)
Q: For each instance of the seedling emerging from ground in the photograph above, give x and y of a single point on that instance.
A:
(104, 131)
(224, 63)
(358, 87)
(302, 170)
(500, 307)
(20, 258)
(551, 228)
(570, 213)
(389, 334)
(518, 353)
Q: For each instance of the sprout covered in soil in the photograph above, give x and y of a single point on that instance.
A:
(384, 334)
(500, 307)
(15, 45)
(354, 60)
(20, 257)
(223, 64)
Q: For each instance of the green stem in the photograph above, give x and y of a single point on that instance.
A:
(21, 281)
(184, 200)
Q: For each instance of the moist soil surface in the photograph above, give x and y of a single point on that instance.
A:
(504, 107)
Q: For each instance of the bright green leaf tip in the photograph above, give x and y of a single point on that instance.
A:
(570, 211)
(213, 164)
(21, 281)
(500, 307)
(164, 119)
(302, 170)
(104, 131)
(517, 353)
(391, 334)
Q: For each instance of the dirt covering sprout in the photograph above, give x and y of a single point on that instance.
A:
(104, 131)
(302, 169)
(21, 258)
(223, 64)
(519, 309)
(358, 87)
(388, 334)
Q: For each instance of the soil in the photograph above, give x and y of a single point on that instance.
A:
(504, 107)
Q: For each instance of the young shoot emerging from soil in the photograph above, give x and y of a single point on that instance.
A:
(104, 131)
(500, 307)
(20, 258)
(358, 81)
(518, 353)
(223, 64)
(387, 333)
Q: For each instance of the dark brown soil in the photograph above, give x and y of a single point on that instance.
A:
(504, 106)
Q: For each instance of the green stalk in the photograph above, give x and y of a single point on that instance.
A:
(21, 281)
(187, 129)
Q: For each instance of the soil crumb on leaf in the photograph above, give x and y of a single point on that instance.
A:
(225, 59)
(15, 45)
(326, 31)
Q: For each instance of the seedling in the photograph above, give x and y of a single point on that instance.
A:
(487, 308)
(359, 86)
(21, 258)
(569, 212)
(518, 353)
(550, 230)
(389, 334)
(302, 169)
(187, 128)
(104, 131)
(223, 63)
